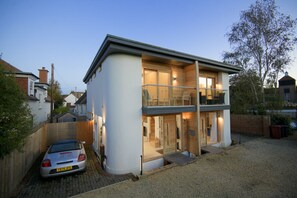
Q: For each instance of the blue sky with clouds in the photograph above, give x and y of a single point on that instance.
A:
(68, 33)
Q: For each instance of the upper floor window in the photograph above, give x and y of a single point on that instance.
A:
(31, 86)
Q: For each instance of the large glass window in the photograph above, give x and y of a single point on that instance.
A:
(206, 86)
(157, 91)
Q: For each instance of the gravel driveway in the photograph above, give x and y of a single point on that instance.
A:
(258, 167)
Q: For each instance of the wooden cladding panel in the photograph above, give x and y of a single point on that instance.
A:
(191, 131)
(190, 75)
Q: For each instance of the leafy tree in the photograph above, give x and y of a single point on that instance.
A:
(262, 40)
(57, 96)
(15, 118)
(245, 92)
(61, 110)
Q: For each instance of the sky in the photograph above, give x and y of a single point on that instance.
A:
(68, 33)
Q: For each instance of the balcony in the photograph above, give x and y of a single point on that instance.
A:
(166, 95)
(212, 96)
(167, 99)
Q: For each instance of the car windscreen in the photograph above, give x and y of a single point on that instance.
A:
(64, 147)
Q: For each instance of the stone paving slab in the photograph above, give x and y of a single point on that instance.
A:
(64, 186)
(179, 159)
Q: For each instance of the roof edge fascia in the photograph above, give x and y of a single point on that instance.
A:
(144, 47)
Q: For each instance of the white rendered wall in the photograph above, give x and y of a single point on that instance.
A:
(115, 94)
(152, 165)
(223, 80)
(40, 110)
(70, 99)
(122, 104)
(226, 133)
(224, 119)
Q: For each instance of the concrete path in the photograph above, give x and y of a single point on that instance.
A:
(258, 167)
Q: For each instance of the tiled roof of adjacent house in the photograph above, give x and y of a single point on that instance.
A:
(8, 67)
(77, 94)
(12, 69)
(285, 78)
(82, 99)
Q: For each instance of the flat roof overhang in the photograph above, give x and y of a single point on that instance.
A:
(113, 45)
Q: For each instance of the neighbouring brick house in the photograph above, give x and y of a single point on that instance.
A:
(35, 88)
(286, 91)
(287, 88)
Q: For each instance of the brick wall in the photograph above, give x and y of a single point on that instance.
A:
(23, 83)
(250, 124)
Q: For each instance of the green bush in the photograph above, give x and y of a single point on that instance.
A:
(277, 119)
(15, 118)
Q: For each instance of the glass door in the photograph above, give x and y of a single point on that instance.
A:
(151, 92)
(206, 86)
(163, 79)
(203, 134)
(208, 128)
(212, 136)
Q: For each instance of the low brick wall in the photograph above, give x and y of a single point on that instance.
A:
(251, 124)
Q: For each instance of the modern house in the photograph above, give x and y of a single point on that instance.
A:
(147, 102)
(36, 91)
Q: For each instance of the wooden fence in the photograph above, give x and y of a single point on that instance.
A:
(251, 124)
(15, 166)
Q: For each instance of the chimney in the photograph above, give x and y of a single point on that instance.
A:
(43, 75)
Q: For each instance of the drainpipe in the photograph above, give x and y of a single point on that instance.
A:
(198, 107)
(141, 164)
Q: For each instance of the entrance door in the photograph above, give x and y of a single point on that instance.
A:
(169, 122)
(203, 132)
(208, 128)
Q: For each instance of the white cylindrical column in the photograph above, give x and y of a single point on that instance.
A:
(122, 102)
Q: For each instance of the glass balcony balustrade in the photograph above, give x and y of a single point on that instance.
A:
(166, 95)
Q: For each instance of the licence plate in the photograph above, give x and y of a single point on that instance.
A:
(64, 169)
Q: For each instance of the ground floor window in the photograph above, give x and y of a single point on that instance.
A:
(161, 135)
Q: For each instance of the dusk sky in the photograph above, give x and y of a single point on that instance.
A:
(69, 33)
